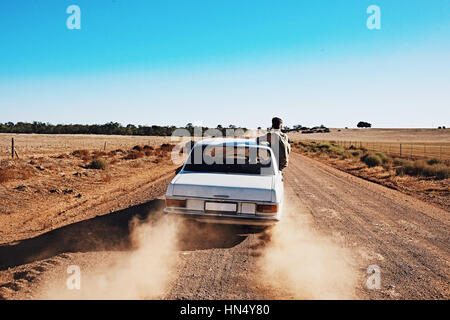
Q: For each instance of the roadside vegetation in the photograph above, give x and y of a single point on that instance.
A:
(426, 179)
(431, 168)
(21, 169)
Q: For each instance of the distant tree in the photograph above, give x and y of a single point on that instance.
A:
(259, 128)
(363, 124)
(108, 128)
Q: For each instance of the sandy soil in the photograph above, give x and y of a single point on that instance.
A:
(48, 144)
(334, 227)
(47, 192)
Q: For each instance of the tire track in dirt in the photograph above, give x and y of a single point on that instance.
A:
(414, 265)
(407, 239)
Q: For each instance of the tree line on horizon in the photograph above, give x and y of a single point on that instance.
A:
(110, 128)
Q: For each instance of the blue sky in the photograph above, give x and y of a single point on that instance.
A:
(222, 62)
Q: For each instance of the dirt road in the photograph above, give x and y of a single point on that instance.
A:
(335, 226)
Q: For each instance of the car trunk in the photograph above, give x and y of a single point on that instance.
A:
(224, 186)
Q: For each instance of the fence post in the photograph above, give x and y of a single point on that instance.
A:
(104, 147)
(12, 148)
(400, 150)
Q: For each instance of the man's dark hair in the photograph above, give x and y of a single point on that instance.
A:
(276, 123)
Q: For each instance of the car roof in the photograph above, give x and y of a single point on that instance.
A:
(230, 142)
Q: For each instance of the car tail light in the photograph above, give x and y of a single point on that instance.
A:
(174, 203)
(267, 208)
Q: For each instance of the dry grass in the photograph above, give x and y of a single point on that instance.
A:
(163, 151)
(98, 164)
(6, 175)
(421, 168)
(98, 154)
(379, 135)
(43, 191)
(82, 154)
(426, 179)
(15, 171)
(46, 144)
(134, 154)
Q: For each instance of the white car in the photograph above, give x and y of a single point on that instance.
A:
(231, 181)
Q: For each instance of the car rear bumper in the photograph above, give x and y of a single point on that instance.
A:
(248, 220)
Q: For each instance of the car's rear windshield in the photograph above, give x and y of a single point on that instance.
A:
(230, 159)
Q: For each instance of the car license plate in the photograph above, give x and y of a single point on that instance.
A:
(221, 206)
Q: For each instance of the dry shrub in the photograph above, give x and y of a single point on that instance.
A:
(356, 153)
(138, 148)
(166, 147)
(434, 161)
(148, 152)
(136, 165)
(422, 168)
(134, 154)
(25, 173)
(441, 171)
(147, 147)
(384, 158)
(62, 156)
(99, 164)
(82, 154)
(345, 155)
(98, 154)
(372, 160)
(387, 166)
(6, 175)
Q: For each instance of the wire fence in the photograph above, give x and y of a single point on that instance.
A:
(401, 149)
(33, 145)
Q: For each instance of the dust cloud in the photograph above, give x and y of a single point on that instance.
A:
(303, 264)
(140, 273)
